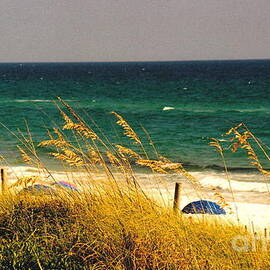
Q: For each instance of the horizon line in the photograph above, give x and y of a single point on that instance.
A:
(139, 61)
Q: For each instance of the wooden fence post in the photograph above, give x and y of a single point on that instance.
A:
(3, 180)
(253, 229)
(177, 197)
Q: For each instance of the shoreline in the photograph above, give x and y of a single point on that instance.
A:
(252, 205)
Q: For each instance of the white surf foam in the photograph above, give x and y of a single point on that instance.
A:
(168, 108)
(243, 181)
(37, 100)
(223, 184)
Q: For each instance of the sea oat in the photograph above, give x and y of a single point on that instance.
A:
(70, 157)
(26, 180)
(80, 128)
(233, 129)
(128, 131)
(60, 142)
(56, 143)
(221, 200)
(113, 159)
(215, 143)
(178, 168)
(242, 141)
(153, 164)
(26, 158)
(59, 134)
(94, 156)
(127, 151)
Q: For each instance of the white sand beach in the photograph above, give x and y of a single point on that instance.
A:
(252, 201)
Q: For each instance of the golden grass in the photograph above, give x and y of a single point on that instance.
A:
(113, 224)
(112, 231)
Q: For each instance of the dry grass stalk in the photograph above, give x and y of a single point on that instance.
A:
(56, 143)
(193, 180)
(122, 163)
(72, 112)
(179, 169)
(128, 131)
(80, 128)
(171, 166)
(26, 158)
(220, 200)
(159, 166)
(59, 134)
(113, 159)
(26, 180)
(69, 157)
(94, 157)
(124, 151)
(60, 142)
(218, 147)
(155, 165)
(241, 140)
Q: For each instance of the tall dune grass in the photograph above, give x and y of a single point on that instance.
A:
(112, 224)
(113, 231)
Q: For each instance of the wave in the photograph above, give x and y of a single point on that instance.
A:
(34, 101)
(218, 110)
(240, 182)
(244, 181)
(168, 108)
(38, 100)
(266, 110)
(218, 168)
(31, 100)
(223, 184)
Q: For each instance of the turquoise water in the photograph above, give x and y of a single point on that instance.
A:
(208, 98)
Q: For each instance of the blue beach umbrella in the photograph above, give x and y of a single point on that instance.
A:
(203, 207)
(67, 185)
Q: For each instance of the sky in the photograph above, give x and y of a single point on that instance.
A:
(133, 30)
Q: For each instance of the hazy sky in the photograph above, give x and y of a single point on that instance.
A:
(133, 30)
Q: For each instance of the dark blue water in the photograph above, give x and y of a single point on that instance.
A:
(208, 98)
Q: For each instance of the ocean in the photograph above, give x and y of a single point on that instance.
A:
(206, 98)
